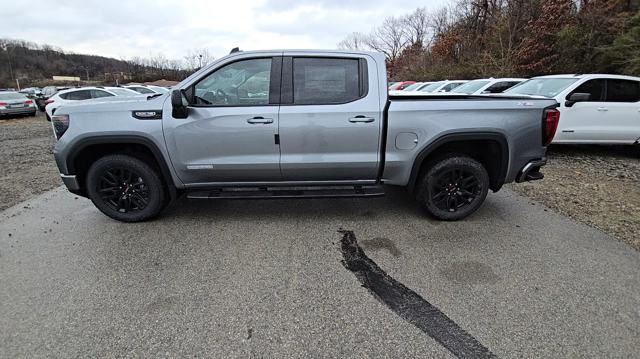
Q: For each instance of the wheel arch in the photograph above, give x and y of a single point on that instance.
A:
(89, 149)
(481, 145)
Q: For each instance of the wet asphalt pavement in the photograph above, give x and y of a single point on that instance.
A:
(275, 279)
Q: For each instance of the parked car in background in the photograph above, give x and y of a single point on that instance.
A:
(401, 85)
(31, 92)
(414, 87)
(436, 87)
(487, 86)
(147, 89)
(597, 109)
(14, 103)
(45, 94)
(82, 94)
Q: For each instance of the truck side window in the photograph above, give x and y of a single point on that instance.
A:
(595, 88)
(325, 81)
(623, 91)
(240, 83)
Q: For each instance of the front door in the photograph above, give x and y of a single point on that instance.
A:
(230, 133)
(330, 119)
(583, 121)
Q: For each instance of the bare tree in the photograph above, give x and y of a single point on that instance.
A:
(417, 26)
(197, 58)
(354, 41)
(390, 38)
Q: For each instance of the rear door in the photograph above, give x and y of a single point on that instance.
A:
(622, 110)
(330, 118)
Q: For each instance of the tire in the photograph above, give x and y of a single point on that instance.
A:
(125, 188)
(453, 187)
(48, 118)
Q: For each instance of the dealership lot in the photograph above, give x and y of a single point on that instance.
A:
(265, 279)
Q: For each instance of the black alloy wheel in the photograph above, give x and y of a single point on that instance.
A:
(126, 188)
(453, 187)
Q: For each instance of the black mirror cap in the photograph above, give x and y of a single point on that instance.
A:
(180, 109)
(577, 97)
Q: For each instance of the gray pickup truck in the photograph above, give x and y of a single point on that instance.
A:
(298, 124)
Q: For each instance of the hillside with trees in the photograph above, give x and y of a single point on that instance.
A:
(35, 65)
(483, 38)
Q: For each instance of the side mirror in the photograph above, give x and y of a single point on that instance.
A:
(577, 97)
(179, 104)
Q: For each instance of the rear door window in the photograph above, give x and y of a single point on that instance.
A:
(595, 89)
(623, 91)
(325, 81)
(99, 94)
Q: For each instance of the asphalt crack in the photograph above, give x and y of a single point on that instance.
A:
(408, 304)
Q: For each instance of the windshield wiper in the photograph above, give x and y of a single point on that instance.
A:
(154, 96)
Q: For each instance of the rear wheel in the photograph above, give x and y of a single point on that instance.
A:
(125, 188)
(453, 187)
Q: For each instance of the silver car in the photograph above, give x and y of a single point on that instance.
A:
(14, 103)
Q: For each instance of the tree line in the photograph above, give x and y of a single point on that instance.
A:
(35, 65)
(499, 38)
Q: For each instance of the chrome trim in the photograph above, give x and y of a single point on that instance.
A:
(522, 175)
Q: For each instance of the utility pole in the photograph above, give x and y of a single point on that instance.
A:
(200, 59)
(6, 48)
(87, 70)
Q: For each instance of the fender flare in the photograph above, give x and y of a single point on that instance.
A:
(79, 146)
(460, 137)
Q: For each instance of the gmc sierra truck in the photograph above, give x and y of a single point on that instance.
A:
(298, 124)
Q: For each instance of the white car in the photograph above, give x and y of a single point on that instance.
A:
(435, 88)
(147, 89)
(597, 109)
(83, 94)
(487, 86)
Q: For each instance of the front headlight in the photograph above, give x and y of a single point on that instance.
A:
(60, 125)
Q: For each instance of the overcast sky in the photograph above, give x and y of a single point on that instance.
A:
(124, 29)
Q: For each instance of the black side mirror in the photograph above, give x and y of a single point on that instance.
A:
(577, 97)
(179, 104)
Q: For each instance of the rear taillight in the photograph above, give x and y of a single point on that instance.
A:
(28, 102)
(550, 125)
(60, 125)
(3, 104)
(48, 101)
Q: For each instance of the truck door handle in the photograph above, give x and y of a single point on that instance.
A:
(361, 119)
(603, 109)
(259, 120)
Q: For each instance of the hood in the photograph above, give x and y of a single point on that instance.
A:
(116, 103)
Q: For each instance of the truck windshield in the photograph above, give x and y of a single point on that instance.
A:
(470, 87)
(549, 87)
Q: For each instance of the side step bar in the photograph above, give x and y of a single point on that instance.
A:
(288, 192)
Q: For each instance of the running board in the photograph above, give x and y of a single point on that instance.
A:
(288, 192)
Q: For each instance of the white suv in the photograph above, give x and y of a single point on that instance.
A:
(598, 109)
(82, 94)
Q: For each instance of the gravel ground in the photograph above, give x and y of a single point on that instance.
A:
(26, 165)
(596, 185)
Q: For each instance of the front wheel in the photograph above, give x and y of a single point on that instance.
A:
(125, 188)
(453, 187)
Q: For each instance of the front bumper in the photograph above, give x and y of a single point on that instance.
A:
(531, 171)
(71, 181)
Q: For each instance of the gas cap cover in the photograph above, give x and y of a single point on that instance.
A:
(406, 141)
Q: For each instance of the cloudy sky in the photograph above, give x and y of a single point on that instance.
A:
(124, 29)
